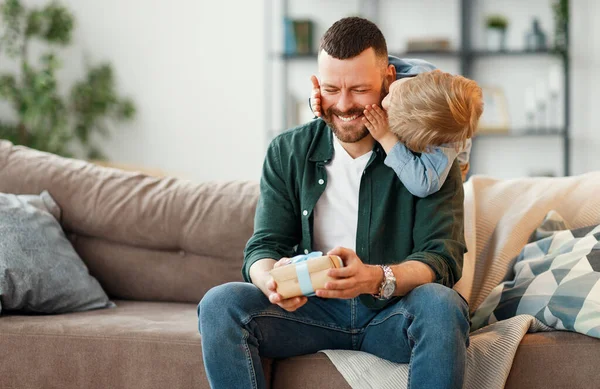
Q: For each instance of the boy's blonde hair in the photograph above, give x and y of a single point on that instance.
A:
(434, 108)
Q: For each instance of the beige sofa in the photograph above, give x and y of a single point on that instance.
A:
(157, 245)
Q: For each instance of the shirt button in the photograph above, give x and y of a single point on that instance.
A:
(305, 251)
(305, 212)
(321, 181)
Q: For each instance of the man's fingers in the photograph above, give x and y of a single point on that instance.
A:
(293, 303)
(337, 294)
(272, 285)
(342, 272)
(340, 251)
(275, 298)
(282, 262)
(342, 284)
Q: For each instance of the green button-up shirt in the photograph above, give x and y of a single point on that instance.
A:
(393, 225)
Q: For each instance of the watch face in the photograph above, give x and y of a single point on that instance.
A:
(388, 290)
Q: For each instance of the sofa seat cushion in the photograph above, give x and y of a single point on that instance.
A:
(307, 372)
(557, 359)
(135, 345)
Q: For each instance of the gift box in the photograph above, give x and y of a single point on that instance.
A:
(305, 274)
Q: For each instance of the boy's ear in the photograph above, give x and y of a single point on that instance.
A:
(391, 74)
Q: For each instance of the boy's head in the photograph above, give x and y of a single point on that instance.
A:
(433, 108)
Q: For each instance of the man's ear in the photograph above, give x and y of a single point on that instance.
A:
(391, 73)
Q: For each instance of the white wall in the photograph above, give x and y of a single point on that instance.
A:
(585, 118)
(195, 69)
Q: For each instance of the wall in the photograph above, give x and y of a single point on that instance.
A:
(195, 69)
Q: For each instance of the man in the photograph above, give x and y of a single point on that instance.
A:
(325, 187)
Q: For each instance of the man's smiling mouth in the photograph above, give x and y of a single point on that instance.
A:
(347, 118)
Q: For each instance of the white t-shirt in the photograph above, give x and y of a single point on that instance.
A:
(336, 212)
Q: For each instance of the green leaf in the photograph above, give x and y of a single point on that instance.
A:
(10, 37)
(60, 24)
(46, 120)
(35, 23)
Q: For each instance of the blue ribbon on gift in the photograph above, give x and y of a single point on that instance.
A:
(303, 273)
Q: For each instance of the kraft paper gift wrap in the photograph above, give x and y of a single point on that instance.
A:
(305, 274)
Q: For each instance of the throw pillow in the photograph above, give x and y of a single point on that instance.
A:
(556, 279)
(40, 272)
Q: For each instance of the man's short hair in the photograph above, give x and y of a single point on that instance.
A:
(348, 37)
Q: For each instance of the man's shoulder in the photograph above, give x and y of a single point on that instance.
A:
(300, 138)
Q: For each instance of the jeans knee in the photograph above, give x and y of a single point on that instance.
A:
(441, 303)
(224, 300)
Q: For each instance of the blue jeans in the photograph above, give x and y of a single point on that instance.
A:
(428, 328)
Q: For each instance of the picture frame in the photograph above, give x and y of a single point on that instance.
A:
(495, 118)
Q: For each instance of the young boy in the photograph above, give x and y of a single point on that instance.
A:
(434, 114)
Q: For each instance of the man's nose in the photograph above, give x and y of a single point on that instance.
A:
(345, 102)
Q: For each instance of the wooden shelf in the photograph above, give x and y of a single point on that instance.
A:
(441, 53)
(512, 53)
(519, 133)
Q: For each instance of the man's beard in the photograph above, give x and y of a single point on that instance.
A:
(351, 133)
(347, 133)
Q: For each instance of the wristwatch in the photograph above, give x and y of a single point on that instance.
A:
(388, 286)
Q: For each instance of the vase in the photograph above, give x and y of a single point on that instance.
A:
(496, 39)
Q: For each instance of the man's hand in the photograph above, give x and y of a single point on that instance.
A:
(354, 279)
(270, 290)
(376, 121)
(315, 97)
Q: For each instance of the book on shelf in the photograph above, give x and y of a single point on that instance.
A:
(298, 36)
(428, 44)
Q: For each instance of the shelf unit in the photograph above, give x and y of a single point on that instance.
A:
(467, 56)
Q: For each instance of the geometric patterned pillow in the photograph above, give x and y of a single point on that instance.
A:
(556, 279)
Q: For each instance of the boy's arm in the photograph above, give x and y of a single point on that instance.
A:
(421, 174)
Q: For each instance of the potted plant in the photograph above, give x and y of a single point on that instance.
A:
(496, 26)
(43, 117)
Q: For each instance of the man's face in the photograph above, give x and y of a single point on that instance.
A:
(347, 86)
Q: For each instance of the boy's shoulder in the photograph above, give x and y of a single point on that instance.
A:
(408, 67)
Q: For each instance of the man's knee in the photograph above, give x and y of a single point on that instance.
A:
(439, 300)
(231, 295)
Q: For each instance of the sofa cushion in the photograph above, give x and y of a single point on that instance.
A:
(137, 273)
(501, 215)
(557, 359)
(39, 269)
(148, 345)
(187, 229)
(307, 372)
(556, 279)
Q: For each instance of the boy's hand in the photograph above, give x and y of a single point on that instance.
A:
(315, 97)
(376, 121)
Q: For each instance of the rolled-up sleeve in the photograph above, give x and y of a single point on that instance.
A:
(276, 223)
